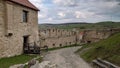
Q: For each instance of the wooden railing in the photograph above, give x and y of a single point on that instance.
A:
(99, 63)
(31, 48)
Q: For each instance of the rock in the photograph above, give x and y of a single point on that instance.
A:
(47, 64)
(22, 66)
(53, 66)
(36, 65)
(31, 63)
(17, 66)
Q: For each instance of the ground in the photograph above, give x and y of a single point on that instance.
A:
(66, 58)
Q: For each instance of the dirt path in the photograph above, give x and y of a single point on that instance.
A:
(65, 58)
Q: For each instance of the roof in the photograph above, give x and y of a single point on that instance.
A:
(25, 3)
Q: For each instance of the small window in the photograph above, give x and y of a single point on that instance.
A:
(53, 44)
(25, 16)
(60, 45)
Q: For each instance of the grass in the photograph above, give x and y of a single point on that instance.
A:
(7, 62)
(98, 25)
(108, 49)
(40, 59)
(21, 59)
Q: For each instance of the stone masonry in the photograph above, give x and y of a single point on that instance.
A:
(57, 37)
(53, 37)
(90, 36)
(13, 29)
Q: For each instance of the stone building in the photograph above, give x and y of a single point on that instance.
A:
(57, 37)
(18, 26)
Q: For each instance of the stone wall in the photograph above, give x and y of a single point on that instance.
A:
(13, 45)
(2, 30)
(57, 37)
(97, 35)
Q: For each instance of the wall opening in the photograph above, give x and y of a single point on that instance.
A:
(53, 44)
(88, 41)
(25, 42)
(60, 45)
(70, 43)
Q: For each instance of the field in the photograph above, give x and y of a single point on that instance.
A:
(99, 25)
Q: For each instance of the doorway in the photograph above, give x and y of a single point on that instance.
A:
(25, 43)
(25, 40)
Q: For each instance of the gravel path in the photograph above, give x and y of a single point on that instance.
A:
(65, 58)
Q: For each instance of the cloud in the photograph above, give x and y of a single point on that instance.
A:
(79, 14)
(61, 14)
(65, 2)
(50, 19)
(57, 11)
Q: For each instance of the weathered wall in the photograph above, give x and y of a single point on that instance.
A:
(13, 45)
(57, 37)
(57, 42)
(97, 35)
(2, 28)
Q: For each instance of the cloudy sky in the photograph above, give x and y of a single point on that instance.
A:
(62, 11)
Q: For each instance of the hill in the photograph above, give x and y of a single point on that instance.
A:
(99, 25)
(107, 49)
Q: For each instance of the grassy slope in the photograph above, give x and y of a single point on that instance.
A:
(108, 49)
(6, 62)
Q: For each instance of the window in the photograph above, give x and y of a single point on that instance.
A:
(53, 44)
(60, 45)
(25, 16)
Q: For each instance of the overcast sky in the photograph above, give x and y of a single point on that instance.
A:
(62, 11)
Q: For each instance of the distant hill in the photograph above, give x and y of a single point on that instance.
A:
(108, 49)
(83, 25)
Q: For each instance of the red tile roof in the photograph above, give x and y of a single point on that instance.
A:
(25, 3)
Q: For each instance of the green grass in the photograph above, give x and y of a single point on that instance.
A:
(108, 49)
(98, 25)
(6, 62)
(40, 59)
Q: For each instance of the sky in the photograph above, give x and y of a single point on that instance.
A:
(65, 11)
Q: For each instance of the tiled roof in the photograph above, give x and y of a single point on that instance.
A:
(25, 3)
